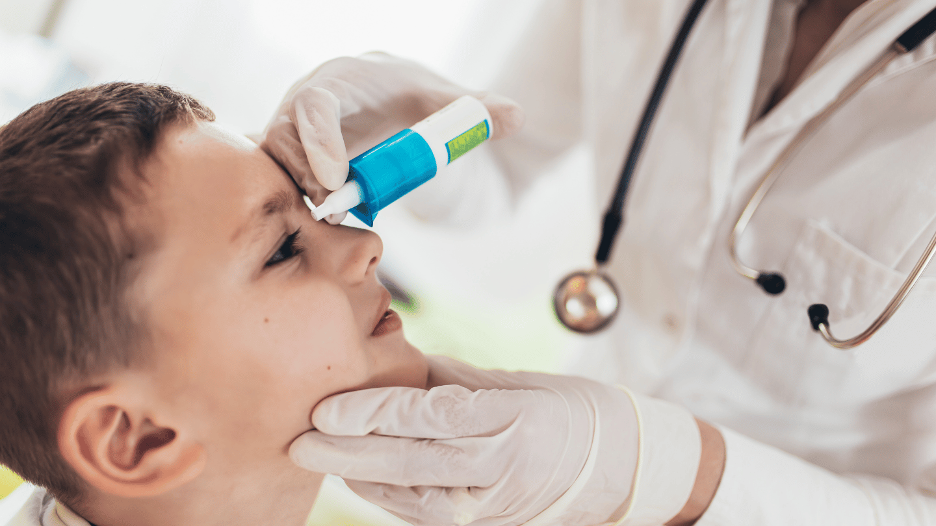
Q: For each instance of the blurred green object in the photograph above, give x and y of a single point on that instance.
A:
(337, 505)
(9, 481)
(504, 335)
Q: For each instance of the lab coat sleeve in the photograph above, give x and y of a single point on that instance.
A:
(765, 486)
(542, 73)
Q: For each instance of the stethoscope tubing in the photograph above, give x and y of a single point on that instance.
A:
(614, 216)
(788, 153)
(818, 313)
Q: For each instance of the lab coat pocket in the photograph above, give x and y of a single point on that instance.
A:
(802, 369)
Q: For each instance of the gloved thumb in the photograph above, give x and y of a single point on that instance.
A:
(288, 150)
(316, 113)
(507, 115)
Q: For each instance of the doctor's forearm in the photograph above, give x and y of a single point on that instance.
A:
(765, 486)
(711, 466)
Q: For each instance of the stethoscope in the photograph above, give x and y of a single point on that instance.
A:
(587, 301)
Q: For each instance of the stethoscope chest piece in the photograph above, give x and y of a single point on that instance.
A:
(586, 301)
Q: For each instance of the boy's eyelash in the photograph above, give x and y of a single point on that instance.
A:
(288, 250)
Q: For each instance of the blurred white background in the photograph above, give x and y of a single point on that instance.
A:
(240, 56)
(227, 52)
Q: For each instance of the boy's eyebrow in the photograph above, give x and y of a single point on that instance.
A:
(278, 203)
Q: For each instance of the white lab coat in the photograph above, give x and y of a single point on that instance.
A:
(845, 223)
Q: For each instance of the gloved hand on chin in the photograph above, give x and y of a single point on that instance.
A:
(506, 448)
(348, 105)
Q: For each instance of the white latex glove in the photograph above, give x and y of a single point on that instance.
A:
(348, 105)
(498, 449)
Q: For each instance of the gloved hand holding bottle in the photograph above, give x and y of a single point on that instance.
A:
(506, 448)
(348, 105)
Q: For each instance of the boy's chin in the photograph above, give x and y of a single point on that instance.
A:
(420, 373)
(414, 372)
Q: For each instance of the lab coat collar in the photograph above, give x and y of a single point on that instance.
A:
(861, 39)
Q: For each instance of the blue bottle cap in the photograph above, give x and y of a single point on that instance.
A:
(389, 171)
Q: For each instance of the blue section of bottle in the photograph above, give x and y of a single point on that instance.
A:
(389, 171)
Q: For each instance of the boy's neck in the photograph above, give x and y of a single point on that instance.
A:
(279, 501)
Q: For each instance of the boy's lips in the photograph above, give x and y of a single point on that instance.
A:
(387, 320)
(388, 323)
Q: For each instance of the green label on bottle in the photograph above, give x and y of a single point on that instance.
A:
(468, 140)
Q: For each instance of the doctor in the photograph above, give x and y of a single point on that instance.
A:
(737, 412)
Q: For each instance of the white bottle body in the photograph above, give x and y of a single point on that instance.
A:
(465, 121)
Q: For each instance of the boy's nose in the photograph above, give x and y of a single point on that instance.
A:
(362, 256)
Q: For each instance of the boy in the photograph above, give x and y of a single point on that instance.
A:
(169, 315)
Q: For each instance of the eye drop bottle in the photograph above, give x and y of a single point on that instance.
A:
(396, 166)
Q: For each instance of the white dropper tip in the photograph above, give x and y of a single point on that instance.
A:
(341, 200)
(308, 202)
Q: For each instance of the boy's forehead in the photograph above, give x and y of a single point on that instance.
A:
(205, 130)
(201, 145)
(202, 177)
(200, 166)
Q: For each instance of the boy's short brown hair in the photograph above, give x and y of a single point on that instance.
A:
(66, 258)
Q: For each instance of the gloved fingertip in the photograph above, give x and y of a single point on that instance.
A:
(338, 415)
(376, 56)
(330, 167)
(316, 115)
(337, 178)
(321, 417)
(300, 449)
(508, 116)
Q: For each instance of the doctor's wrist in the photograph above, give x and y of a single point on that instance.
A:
(711, 467)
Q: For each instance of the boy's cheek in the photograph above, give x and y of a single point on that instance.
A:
(338, 371)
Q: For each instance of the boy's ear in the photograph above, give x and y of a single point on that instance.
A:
(117, 448)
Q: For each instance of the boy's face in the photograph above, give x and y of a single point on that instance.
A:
(256, 311)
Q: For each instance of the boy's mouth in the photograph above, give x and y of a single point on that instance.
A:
(389, 322)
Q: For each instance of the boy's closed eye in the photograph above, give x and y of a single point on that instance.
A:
(290, 248)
